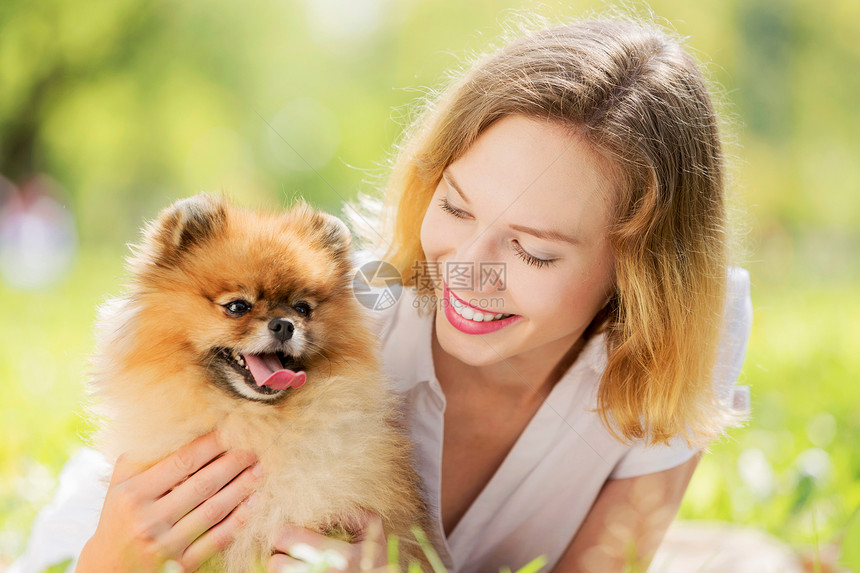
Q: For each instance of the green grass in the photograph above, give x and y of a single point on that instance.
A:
(798, 451)
(44, 341)
(792, 471)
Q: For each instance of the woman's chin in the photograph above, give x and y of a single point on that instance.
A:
(469, 349)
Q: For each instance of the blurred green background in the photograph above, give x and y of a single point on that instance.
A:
(116, 108)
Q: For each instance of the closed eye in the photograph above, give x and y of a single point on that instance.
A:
(520, 252)
(531, 260)
(443, 203)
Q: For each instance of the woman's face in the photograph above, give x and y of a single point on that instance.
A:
(525, 211)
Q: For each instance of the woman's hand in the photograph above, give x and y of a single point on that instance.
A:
(185, 509)
(298, 549)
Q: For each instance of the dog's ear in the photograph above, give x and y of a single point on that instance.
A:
(183, 225)
(336, 235)
(324, 229)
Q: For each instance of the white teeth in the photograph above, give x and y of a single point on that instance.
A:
(238, 358)
(471, 314)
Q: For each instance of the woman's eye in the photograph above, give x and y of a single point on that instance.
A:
(238, 307)
(533, 261)
(303, 308)
(443, 203)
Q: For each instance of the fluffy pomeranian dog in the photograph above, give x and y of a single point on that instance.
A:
(246, 323)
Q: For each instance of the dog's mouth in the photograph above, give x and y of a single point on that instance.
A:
(267, 375)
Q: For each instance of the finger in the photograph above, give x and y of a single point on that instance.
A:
(366, 525)
(211, 512)
(292, 535)
(281, 563)
(204, 484)
(315, 548)
(374, 549)
(123, 470)
(175, 468)
(217, 538)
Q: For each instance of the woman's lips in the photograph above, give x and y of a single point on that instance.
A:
(450, 293)
(470, 326)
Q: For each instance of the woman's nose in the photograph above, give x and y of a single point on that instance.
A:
(476, 265)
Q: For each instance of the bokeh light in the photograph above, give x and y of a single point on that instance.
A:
(37, 233)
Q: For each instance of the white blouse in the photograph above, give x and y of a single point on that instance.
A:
(534, 503)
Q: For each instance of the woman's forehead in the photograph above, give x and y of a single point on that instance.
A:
(535, 172)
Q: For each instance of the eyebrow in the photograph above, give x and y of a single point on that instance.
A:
(547, 235)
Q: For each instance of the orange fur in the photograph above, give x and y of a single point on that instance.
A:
(330, 448)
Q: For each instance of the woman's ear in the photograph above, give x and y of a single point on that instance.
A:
(183, 225)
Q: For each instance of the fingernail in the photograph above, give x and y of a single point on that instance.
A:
(257, 471)
(252, 500)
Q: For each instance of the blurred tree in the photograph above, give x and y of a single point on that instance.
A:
(54, 67)
(129, 103)
(765, 68)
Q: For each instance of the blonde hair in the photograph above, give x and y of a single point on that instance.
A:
(641, 102)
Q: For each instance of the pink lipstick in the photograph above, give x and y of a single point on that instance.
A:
(470, 326)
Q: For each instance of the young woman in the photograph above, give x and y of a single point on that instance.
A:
(573, 333)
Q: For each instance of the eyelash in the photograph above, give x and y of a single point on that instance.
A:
(533, 261)
(451, 209)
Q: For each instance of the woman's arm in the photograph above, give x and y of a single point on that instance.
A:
(627, 522)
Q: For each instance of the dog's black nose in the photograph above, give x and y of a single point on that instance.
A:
(282, 328)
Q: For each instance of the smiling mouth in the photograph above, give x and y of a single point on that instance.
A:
(469, 312)
(266, 374)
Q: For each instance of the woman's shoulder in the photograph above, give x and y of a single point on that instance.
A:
(376, 293)
(642, 458)
(387, 303)
(393, 313)
(737, 326)
(64, 525)
(738, 300)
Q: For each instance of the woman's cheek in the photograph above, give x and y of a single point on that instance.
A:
(552, 295)
(427, 236)
(531, 291)
(598, 275)
(441, 234)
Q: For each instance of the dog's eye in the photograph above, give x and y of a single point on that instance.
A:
(303, 308)
(238, 307)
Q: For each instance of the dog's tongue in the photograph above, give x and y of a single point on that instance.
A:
(268, 371)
